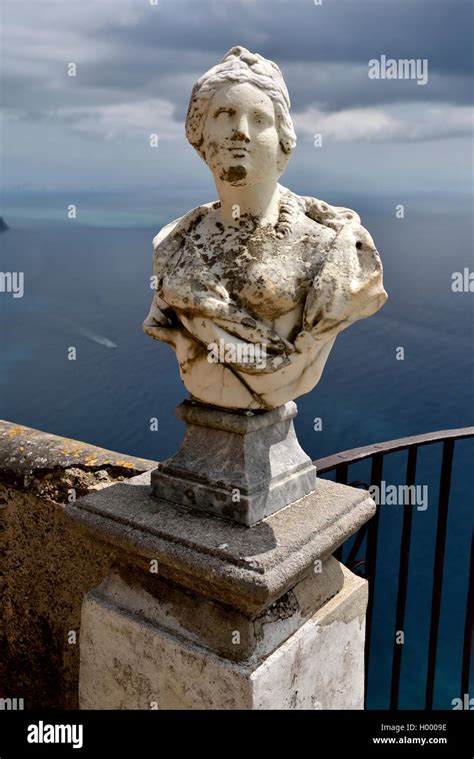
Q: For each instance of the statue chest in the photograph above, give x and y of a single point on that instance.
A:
(269, 278)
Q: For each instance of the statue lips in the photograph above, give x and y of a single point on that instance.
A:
(238, 151)
(234, 174)
(238, 148)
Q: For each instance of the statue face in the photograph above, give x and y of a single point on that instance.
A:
(240, 137)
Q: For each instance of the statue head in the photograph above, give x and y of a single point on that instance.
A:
(239, 118)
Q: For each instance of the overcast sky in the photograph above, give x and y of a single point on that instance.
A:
(136, 64)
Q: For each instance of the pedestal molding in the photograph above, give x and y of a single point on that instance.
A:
(246, 568)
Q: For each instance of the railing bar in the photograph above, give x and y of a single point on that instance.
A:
(403, 579)
(341, 477)
(371, 557)
(444, 488)
(469, 627)
(356, 566)
(328, 463)
(341, 473)
(357, 544)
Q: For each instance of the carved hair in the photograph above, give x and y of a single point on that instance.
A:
(240, 65)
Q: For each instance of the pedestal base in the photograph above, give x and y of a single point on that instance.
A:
(241, 466)
(202, 613)
(131, 662)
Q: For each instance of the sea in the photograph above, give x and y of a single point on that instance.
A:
(407, 370)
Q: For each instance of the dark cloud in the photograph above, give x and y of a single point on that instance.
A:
(161, 50)
(349, 31)
(146, 52)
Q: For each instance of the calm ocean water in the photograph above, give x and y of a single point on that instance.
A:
(83, 284)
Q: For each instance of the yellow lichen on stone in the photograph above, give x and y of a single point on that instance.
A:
(16, 431)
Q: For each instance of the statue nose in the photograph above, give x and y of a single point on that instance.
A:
(242, 130)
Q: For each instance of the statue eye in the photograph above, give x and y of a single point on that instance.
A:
(262, 119)
(227, 111)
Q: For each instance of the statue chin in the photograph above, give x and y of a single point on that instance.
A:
(234, 175)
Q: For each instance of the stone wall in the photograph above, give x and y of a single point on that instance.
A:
(47, 563)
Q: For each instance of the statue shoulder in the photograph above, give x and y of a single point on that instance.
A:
(343, 225)
(323, 213)
(182, 224)
(331, 216)
(168, 244)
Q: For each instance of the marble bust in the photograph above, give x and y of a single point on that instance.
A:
(252, 290)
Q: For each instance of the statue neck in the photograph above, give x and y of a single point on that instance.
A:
(261, 201)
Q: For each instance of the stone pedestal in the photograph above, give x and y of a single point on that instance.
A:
(203, 613)
(241, 466)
